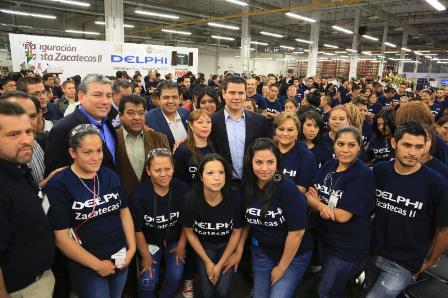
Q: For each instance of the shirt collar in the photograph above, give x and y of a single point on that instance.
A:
(227, 115)
(90, 118)
(126, 134)
(177, 117)
(115, 106)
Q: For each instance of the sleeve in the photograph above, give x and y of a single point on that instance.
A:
(359, 195)
(119, 190)
(60, 210)
(56, 151)
(136, 208)
(187, 211)
(294, 208)
(4, 225)
(261, 103)
(308, 170)
(441, 199)
(237, 208)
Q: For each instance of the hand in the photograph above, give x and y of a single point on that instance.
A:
(216, 273)
(425, 266)
(179, 250)
(105, 268)
(312, 194)
(232, 261)
(209, 268)
(276, 275)
(176, 145)
(45, 181)
(326, 212)
(147, 128)
(146, 264)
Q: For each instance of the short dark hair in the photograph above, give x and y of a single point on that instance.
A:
(22, 84)
(66, 82)
(18, 94)
(210, 92)
(313, 99)
(234, 80)
(349, 129)
(47, 76)
(120, 84)
(132, 98)
(356, 86)
(7, 80)
(167, 85)
(389, 89)
(11, 109)
(358, 100)
(412, 128)
(312, 115)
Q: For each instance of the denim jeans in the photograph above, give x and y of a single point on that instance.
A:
(223, 286)
(262, 266)
(147, 281)
(389, 279)
(88, 284)
(336, 273)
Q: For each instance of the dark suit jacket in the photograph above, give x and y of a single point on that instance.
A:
(256, 127)
(151, 140)
(155, 119)
(53, 112)
(56, 153)
(112, 115)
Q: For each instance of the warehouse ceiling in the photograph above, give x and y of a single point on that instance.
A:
(427, 27)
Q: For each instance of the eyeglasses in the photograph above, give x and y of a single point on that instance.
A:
(39, 93)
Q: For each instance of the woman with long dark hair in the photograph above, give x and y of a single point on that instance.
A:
(212, 220)
(379, 148)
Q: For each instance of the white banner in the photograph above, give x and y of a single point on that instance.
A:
(71, 57)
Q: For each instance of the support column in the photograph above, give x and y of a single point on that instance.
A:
(314, 48)
(404, 43)
(113, 16)
(416, 65)
(383, 48)
(245, 41)
(355, 43)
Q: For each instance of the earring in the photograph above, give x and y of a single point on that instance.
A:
(277, 177)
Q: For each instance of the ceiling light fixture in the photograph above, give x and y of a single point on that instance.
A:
(176, 32)
(218, 25)
(287, 47)
(406, 49)
(370, 37)
(82, 32)
(351, 50)
(341, 52)
(259, 43)
(271, 34)
(390, 44)
(304, 41)
(77, 3)
(28, 14)
(299, 17)
(436, 4)
(330, 46)
(124, 25)
(222, 37)
(335, 27)
(157, 14)
(242, 3)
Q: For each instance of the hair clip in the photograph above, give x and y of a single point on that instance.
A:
(83, 128)
(159, 152)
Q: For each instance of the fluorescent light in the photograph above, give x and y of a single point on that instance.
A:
(431, 54)
(222, 37)
(304, 41)
(351, 51)
(218, 25)
(370, 37)
(82, 32)
(390, 44)
(340, 52)
(406, 49)
(156, 14)
(78, 3)
(271, 34)
(297, 52)
(368, 53)
(330, 46)
(436, 4)
(124, 25)
(296, 16)
(176, 32)
(398, 59)
(391, 52)
(287, 48)
(259, 43)
(426, 56)
(345, 56)
(237, 2)
(328, 54)
(381, 56)
(424, 51)
(306, 51)
(28, 14)
(342, 29)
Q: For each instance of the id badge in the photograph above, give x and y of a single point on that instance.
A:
(333, 202)
(153, 249)
(119, 257)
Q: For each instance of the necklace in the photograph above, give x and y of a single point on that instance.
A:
(94, 193)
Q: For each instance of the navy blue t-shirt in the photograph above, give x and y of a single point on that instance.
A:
(184, 166)
(213, 224)
(158, 217)
(367, 133)
(328, 141)
(408, 210)
(260, 101)
(288, 212)
(441, 150)
(438, 166)
(272, 107)
(379, 149)
(383, 101)
(437, 110)
(375, 108)
(71, 205)
(322, 153)
(300, 165)
(355, 189)
(325, 118)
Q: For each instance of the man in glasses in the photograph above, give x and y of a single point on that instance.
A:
(35, 87)
(9, 85)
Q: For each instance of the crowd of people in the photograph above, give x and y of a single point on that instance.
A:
(135, 187)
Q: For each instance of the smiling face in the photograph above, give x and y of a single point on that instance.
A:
(88, 155)
(214, 176)
(234, 96)
(97, 101)
(338, 119)
(161, 171)
(286, 133)
(169, 100)
(208, 104)
(264, 165)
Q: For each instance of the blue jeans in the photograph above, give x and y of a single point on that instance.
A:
(147, 281)
(390, 279)
(336, 273)
(88, 284)
(223, 286)
(262, 266)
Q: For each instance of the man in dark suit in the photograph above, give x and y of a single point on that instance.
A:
(234, 129)
(119, 88)
(95, 98)
(168, 118)
(133, 142)
(35, 87)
